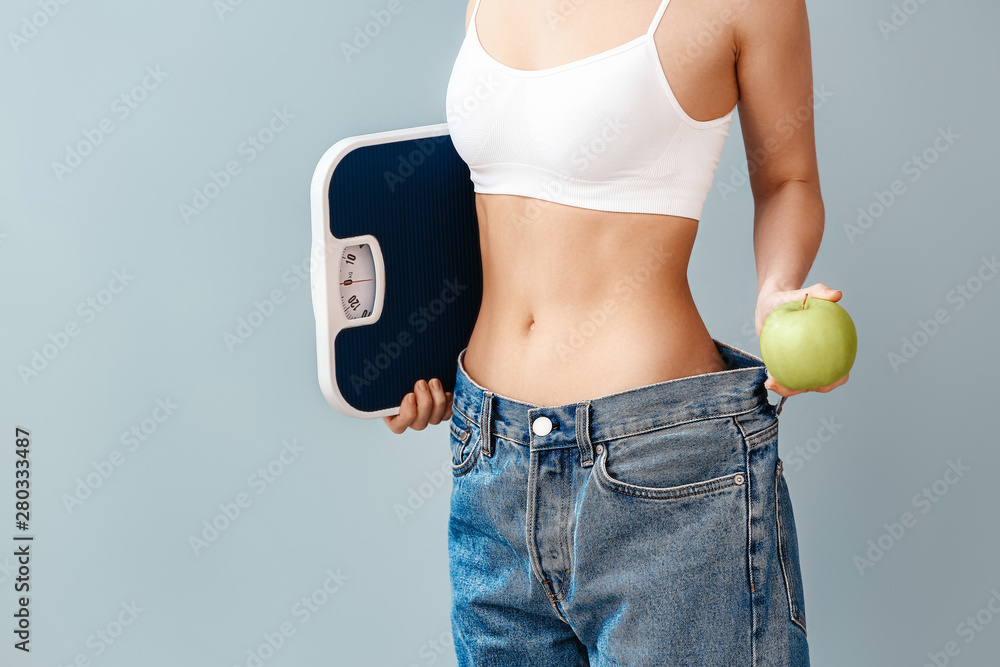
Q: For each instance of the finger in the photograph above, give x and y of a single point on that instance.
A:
(823, 291)
(440, 401)
(451, 399)
(425, 401)
(407, 411)
(773, 385)
(780, 389)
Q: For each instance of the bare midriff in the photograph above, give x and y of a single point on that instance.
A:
(579, 303)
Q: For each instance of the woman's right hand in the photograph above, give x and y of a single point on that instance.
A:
(428, 403)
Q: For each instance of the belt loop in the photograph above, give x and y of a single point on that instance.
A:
(778, 411)
(583, 434)
(486, 423)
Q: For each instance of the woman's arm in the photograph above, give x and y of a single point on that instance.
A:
(774, 72)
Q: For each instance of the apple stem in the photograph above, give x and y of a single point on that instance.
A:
(804, 300)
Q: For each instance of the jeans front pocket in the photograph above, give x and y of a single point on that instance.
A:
(788, 549)
(464, 436)
(678, 461)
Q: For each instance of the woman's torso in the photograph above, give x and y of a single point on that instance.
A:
(579, 303)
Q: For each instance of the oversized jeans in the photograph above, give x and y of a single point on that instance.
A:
(652, 526)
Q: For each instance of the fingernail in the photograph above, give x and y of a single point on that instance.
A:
(436, 383)
(422, 385)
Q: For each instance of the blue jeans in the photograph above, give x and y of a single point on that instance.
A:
(652, 526)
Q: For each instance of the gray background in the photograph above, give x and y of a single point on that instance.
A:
(334, 507)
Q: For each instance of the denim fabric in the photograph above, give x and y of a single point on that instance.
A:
(652, 526)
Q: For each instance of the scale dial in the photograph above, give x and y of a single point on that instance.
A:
(357, 281)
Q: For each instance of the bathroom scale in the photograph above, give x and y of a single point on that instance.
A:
(395, 266)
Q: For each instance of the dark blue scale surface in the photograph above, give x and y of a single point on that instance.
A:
(417, 199)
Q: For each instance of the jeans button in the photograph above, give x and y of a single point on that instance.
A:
(541, 426)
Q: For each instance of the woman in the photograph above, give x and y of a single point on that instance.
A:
(618, 497)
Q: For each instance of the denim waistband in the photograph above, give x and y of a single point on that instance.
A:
(738, 389)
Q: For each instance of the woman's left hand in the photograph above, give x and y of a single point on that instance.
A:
(767, 302)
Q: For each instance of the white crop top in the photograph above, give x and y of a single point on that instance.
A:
(604, 132)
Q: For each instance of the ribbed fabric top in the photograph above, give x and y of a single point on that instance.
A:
(604, 132)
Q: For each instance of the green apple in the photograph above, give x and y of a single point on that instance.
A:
(808, 344)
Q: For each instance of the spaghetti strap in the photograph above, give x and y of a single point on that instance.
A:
(475, 10)
(493, 119)
(656, 17)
